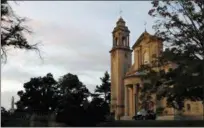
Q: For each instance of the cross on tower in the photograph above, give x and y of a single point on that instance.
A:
(121, 13)
(145, 23)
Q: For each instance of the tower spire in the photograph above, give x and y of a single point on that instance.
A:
(12, 104)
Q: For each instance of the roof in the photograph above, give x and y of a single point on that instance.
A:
(120, 25)
(120, 20)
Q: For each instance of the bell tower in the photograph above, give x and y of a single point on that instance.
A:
(121, 61)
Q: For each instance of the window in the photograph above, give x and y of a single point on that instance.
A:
(188, 107)
(124, 41)
(145, 58)
(116, 42)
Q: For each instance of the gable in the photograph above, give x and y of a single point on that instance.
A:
(140, 39)
(145, 36)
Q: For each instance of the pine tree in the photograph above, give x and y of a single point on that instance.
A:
(104, 88)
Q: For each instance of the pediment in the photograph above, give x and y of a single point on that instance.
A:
(145, 36)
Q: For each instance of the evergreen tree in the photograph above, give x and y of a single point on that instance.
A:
(104, 88)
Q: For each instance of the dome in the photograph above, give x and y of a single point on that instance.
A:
(121, 21)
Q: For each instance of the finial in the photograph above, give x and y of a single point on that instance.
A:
(145, 23)
(121, 13)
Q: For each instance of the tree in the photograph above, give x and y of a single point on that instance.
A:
(40, 95)
(99, 108)
(104, 91)
(72, 104)
(104, 88)
(150, 80)
(4, 116)
(96, 111)
(13, 31)
(67, 98)
(181, 25)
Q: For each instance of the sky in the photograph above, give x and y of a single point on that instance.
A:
(75, 37)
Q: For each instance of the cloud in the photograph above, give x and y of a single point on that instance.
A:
(71, 48)
(65, 49)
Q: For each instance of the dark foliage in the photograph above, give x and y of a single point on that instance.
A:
(104, 88)
(73, 102)
(67, 98)
(4, 116)
(40, 95)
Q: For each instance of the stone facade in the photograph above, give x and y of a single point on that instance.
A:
(125, 78)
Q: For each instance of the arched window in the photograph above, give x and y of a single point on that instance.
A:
(188, 107)
(116, 41)
(124, 41)
(145, 58)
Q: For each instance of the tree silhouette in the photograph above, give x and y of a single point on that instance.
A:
(4, 116)
(40, 95)
(71, 106)
(96, 111)
(99, 108)
(13, 31)
(67, 98)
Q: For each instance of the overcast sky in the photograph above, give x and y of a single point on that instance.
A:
(75, 37)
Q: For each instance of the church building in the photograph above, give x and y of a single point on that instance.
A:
(125, 78)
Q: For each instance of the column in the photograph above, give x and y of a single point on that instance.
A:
(130, 101)
(126, 101)
(134, 99)
(128, 41)
(114, 41)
